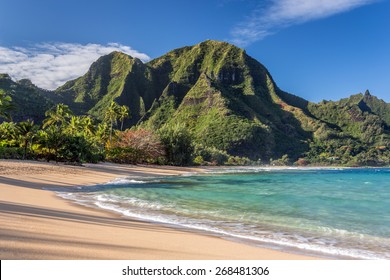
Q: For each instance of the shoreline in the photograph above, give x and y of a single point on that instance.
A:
(37, 224)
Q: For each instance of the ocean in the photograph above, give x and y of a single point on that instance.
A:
(336, 212)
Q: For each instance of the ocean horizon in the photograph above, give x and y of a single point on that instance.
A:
(341, 213)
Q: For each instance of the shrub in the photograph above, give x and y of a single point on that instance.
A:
(178, 144)
(234, 160)
(283, 161)
(199, 160)
(11, 152)
(135, 146)
(77, 149)
(302, 162)
(210, 154)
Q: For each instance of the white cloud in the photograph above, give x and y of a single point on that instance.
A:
(276, 14)
(50, 65)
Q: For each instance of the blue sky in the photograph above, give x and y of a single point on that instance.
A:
(317, 49)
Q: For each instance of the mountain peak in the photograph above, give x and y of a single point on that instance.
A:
(114, 55)
(216, 43)
(119, 54)
(4, 76)
(26, 83)
(367, 93)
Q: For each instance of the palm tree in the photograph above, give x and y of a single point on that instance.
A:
(80, 125)
(102, 131)
(7, 130)
(55, 125)
(26, 131)
(53, 140)
(87, 125)
(75, 125)
(112, 115)
(57, 116)
(5, 105)
(123, 114)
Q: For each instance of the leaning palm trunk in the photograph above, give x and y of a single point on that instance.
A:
(25, 148)
(111, 130)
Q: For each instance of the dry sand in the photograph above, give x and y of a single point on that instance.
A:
(36, 224)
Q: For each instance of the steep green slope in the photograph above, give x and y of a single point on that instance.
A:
(353, 117)
(377, 107)
(227, 99)
(30, 101)
(116, 76)
(104, 80)
(355, 133)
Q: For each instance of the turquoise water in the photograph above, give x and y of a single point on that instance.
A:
(340, 212)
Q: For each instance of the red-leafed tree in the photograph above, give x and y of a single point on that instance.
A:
(136, 146)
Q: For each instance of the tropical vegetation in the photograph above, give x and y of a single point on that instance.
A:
(208, 104)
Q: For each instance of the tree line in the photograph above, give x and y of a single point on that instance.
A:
(66, 137)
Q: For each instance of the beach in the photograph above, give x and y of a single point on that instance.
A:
(37, 224)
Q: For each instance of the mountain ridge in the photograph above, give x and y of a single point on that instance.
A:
(228, 101)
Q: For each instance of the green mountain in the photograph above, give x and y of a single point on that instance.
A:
(228, 101)
(114, 77)
(357, 131)
(226, 98)
(30, 101)
(361, 117)
(376, 106)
